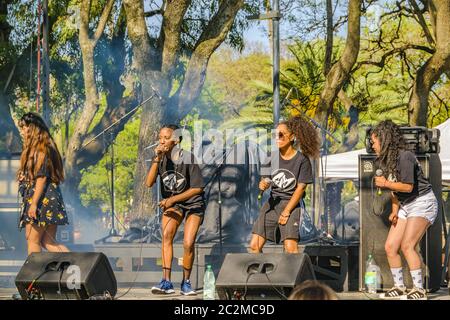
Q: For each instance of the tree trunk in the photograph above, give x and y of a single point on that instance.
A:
(152, 111)
(329, 42)
(155, 67)
(148, 134)
(340, 71)
(434, 67)
(83, 123)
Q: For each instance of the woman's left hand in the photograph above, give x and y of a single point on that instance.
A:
(32, 211)
(283, 218)
(380, 182)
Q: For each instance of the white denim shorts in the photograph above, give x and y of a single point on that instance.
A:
(425, 206)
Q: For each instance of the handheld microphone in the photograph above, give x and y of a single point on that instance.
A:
(379, 173)
(262, 191)
(151, 146)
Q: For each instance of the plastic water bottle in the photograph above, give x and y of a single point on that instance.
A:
(209, 284)
(372, 278)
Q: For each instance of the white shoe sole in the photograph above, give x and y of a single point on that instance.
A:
(160, 291)
(383, 296)
(192, 293)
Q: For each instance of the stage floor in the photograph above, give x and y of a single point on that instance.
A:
(145, 294)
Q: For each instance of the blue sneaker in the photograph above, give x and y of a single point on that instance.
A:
(164, 287)
(186, 288)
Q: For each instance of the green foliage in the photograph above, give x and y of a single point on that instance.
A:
(95, 184)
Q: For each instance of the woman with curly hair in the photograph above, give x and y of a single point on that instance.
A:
(414, 206)
(39, 176)
(290, 173)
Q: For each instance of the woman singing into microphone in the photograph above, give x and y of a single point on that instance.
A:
(414, 206)
(39, 176)
(182, 192)
(279, 217)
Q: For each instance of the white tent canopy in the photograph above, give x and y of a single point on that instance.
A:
(344, 166)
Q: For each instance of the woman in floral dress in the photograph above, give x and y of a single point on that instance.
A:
(39, 176)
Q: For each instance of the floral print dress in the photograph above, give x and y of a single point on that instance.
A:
(50, 207)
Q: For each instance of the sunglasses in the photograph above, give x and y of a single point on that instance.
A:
(281, 135)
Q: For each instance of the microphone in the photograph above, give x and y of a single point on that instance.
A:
(261, 191)
(379, 173)
(151, 146)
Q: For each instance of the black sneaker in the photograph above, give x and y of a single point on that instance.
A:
(416, 294)
(394, 293)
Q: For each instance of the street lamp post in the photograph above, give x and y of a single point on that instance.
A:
(275, 16)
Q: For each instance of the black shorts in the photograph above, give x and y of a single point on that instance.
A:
(198, 210)
(267, 225)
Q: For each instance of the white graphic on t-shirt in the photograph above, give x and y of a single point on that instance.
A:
(284, 179)
(173, 182)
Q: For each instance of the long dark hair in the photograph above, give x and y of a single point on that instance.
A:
(38, 144)
(306, 135)
(391, 142)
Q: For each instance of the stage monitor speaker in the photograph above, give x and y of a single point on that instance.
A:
(374, 224)
(255, 276)
(71, 275)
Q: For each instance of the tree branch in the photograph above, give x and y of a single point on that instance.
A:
(103, 20)
(214, 35)
(422, 22)
(152, 13)
(171, 33)
(382, 61)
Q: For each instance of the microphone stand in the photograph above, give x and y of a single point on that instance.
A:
(113, 232)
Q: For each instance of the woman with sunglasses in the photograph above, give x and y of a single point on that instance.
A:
(414, 207)
(39, 176)
(290, 173)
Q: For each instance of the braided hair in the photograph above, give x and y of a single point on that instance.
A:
(391, 142)
(306, 135)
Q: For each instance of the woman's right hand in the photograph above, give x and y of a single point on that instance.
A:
(264, 185)
(32, 211)
(160, 150)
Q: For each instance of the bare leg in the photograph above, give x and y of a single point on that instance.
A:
(33, 234)
(415, 229)
(49, 240)
(191, 227)
(290, 246)
(393, 242)
(170, 223)
(257, 243)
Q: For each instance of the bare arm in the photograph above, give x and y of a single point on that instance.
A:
(189, 193)
(382, 182)
(295, 199)
(395, 204)
(399, 186)
(393, 217)
(152, 174)
(38, 191)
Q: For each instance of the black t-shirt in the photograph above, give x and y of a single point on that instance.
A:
(289, 174)
(410, 171)
(178, 176)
